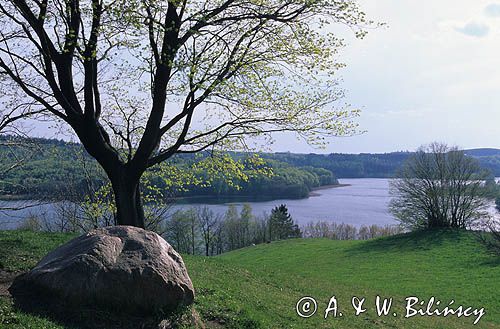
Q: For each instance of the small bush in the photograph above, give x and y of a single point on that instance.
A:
(31, 223)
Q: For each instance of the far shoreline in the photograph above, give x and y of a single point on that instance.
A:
(314, 193)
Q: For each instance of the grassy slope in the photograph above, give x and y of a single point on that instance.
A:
(19, 251)
(259, 286)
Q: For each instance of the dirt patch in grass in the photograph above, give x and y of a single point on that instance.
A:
(6, 278)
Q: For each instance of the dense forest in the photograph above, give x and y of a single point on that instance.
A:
(48, 168)
(52, 169)
(366, 165)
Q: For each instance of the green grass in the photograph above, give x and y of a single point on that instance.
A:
(21, 250)
(258, 287)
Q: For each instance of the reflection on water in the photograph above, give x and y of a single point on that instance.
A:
(363, 202)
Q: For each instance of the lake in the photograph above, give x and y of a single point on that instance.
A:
(363, 202)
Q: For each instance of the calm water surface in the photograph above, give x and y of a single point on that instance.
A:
(363, 202)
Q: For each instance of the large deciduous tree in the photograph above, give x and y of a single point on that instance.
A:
(139, 81)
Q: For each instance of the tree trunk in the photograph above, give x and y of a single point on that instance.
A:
(192, 237)
(129, 209)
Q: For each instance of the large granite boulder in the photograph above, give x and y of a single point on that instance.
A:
(123, 267)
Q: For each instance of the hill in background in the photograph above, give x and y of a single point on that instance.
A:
(50, 164)
(483, 152)
(368, 165)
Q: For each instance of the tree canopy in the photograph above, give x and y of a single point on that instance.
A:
(439, 187)
(139, 81)
(281, 224)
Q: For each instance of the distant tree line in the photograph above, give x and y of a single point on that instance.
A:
(201, 231)
(367, 165)
(47, 173)
(347, 165)
(47, 170)
(285, 181)
(195, 230)
(342, 231)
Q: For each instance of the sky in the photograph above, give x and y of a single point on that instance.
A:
(433, 74)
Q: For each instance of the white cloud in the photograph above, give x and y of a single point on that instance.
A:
(492, 10)
(424, 77)
(474, 29)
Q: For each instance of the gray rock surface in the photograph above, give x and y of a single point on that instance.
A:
(123, 267)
